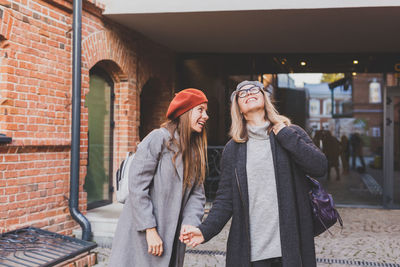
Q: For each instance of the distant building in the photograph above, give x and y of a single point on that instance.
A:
(285, 81)
(320, 104)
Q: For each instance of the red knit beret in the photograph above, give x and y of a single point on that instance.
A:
(184, 101)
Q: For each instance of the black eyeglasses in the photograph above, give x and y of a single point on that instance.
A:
(250, 91)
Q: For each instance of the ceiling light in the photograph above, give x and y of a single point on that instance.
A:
(355, 61)
(354, 73)
(303, 63)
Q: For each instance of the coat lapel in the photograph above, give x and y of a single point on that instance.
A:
(179, 166)
(288, 213)
(273, 150)
(178, 161)
(241, 177)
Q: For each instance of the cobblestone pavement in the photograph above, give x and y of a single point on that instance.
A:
(370, 237)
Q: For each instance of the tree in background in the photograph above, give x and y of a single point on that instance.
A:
(331, 77)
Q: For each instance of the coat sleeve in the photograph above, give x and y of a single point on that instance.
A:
(221, 210)
(141, 176)
(194, 208)
(302, 150)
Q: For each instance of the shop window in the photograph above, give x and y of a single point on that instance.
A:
(327, 107)
(314, 107)
(375, 95)
(376, 132)
(315, 125)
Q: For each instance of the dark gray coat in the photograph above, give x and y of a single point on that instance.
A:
(156, 199)
(294, 155)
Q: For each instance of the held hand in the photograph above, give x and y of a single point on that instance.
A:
(192, 237)
(185, 229)
(277, 127)
(154, 242)
(186, 232)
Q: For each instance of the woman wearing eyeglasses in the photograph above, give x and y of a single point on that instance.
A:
(263, 187)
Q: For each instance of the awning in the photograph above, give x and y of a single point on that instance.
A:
(264, 26)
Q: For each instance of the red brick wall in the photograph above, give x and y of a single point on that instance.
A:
(361, 104)
(153, 66)
(35, 103)
(83, 260)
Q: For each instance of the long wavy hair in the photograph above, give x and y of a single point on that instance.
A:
(193, 147)
(238, 130)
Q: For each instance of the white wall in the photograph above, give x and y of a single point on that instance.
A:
(163, 6)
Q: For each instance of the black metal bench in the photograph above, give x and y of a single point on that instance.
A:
(36, 247)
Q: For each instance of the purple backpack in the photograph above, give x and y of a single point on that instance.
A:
(323, 209)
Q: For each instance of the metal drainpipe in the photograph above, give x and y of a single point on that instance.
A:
(76, 123)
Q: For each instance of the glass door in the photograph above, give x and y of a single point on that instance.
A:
(345, 120)
(99, 101)
(392, 148)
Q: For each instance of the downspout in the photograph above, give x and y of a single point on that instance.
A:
(76, 123)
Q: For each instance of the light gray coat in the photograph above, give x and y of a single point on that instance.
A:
(156, 199)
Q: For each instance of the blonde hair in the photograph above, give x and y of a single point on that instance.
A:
(238, 130)
(193, 147)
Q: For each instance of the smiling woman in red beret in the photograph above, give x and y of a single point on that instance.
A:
(166, 193)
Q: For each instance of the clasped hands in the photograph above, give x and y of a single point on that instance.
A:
(190, 235)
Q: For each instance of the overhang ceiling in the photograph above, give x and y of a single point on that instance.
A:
(334, 30)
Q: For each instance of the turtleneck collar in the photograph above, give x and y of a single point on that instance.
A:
(258, 132)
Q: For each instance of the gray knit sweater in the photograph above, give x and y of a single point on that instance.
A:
(263, 201)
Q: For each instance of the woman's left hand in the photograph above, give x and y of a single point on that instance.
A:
(185, 229)
(191, 236)
(277, 127)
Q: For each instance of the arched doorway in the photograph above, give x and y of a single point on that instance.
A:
(100, 104)
(151, 110)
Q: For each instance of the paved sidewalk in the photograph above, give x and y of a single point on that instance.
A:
(370, 237)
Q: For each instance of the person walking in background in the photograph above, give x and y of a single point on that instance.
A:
(344, 153)
(263, 187)
(331, 149)
(330, 146)
(166, 192)
(357, 151)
